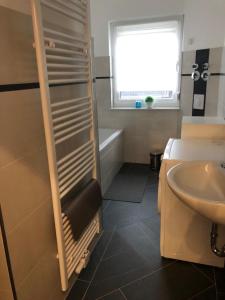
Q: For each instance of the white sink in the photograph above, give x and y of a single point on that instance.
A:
(201, 186)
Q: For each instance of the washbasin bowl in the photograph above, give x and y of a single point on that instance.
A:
(201, 186)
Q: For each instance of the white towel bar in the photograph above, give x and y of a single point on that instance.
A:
(64, 12)
(71, 128)
(79, 165)
(63, 58)
(74, 8)
(68, 186)
(61, 73)
(75, 164)
(63, 161)
(65, 35)
(65, 124)
(71, 115)
(69, 101)
(63, 43)
(68, 164)
(62, 81)
(68, 109)
(72, 134)
(65, 66)
(66, 51)
(81, 4)
(75, 250)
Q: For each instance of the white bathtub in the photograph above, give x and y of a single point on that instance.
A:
(111, 154)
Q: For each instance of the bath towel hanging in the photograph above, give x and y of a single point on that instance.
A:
(83, 207)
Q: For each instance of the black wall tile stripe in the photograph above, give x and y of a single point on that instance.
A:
(18, 86)
(200, 86)
(5, 243)
(104, 77)
(211, 74)
(31, 85)
(66, 84)
(217, 74)
(186, 75)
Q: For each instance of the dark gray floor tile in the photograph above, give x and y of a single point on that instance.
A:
(119, 216)
(220, 279)
(220, 296)
(117, 295)
(105, 204)
(123, 213)
(127, 186)
(207, 270)
(122, 269)
(97, 254)
(209, 294)
(151, 228)
(78, 290)
(132, 239)
(179, 281)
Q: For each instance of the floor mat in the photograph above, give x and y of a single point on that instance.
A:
(129, 184)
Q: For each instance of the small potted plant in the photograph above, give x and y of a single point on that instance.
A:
(149, 100)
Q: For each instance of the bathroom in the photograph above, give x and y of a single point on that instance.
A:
(146, 233)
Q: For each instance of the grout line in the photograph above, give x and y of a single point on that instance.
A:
(106, 205)
(137, 223)
(131, 282)
(122, 251)
(107, 245)
(111, 256)
(147, 275)
(83, 280)
(145, 234)
(215, 283)
(125, 298)
(28, 216)
(108, 294)
(203, 273)
(25, 155)
(201, 292)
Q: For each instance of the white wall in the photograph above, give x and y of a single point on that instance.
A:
(103, 11)
(204, 25)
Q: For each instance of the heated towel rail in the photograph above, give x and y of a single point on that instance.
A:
(62, 43)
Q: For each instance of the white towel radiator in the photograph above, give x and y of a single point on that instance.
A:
(62, 42)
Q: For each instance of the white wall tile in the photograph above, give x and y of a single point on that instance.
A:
(188, 59)
(102, 66)
(212, 96)
(215, 60)
(187, 86)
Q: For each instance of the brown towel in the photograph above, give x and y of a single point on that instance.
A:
(83, 208)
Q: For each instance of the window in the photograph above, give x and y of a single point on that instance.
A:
(145, 60)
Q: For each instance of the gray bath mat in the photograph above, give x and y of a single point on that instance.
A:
(129, 184)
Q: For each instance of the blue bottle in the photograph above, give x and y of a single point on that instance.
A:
(138, 104)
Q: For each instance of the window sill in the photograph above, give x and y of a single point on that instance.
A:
(145, 108)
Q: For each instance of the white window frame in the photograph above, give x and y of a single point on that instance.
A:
(159, 103)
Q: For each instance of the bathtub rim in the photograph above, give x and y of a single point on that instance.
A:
(110, 139)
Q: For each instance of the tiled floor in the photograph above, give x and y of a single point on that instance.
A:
(126, 263)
